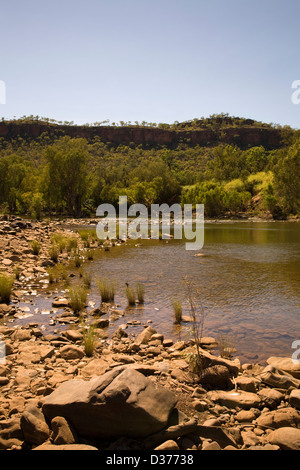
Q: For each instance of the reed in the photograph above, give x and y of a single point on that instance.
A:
(177, 307)
(6, 285)
(36, 247)
(107, 290)
(89, 339)
(130, 294)
(54, 253)
(140, 293)
(78, 296)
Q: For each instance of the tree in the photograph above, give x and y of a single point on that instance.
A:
(67, 174)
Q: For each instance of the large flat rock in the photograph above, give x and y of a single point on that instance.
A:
(122, 402)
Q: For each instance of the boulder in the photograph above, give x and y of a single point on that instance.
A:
(10, 433)
(287, 438)
(282, 417)
(270, 397)
(62, 432)
(34, 426)
(295, 399)
(216, 376)
(277, 378)
(233, 399)
(145, 336)
(286, 364)
(247, 384)
(119, 403)
(70, 352)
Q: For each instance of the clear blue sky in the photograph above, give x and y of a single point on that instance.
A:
(152, 60)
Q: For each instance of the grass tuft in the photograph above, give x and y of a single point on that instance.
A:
(6, 284)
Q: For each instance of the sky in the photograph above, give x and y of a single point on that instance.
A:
(149, 60)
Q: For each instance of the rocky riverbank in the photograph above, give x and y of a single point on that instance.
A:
(132, 393)
(137, 394)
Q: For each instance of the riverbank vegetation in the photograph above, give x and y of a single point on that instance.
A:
(72, 176)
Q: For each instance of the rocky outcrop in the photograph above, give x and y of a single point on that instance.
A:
(244, 137)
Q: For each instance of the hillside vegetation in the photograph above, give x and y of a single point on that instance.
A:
(60, 172)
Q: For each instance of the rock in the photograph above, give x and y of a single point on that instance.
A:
(283, 417)
(215, 433)
(120, 333)
(247, 384)
(62, 432)
(65, 447)
(182, 376)
(215, 376)
(168, 445)
(179, 425)
(34, 426)
(210, 360)
(245, 416)
(10, 433)
(270, 397)
(278, 379)
(145, 336)
(208, 342)
(70, 352)
(232, 399)
(211, 446)
(286, 364)
(3, 381)
(101, 323)
(119, 403)
(21, 335)
(96, 367)
(73, 335)
(295, 399)
(250, 438)
(60, 303)
(287, 438)
(7, 262)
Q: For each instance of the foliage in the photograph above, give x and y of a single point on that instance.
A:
(55, 174)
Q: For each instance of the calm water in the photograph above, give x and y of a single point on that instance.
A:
(248, 275)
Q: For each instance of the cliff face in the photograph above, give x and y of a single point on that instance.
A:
(244, 137)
